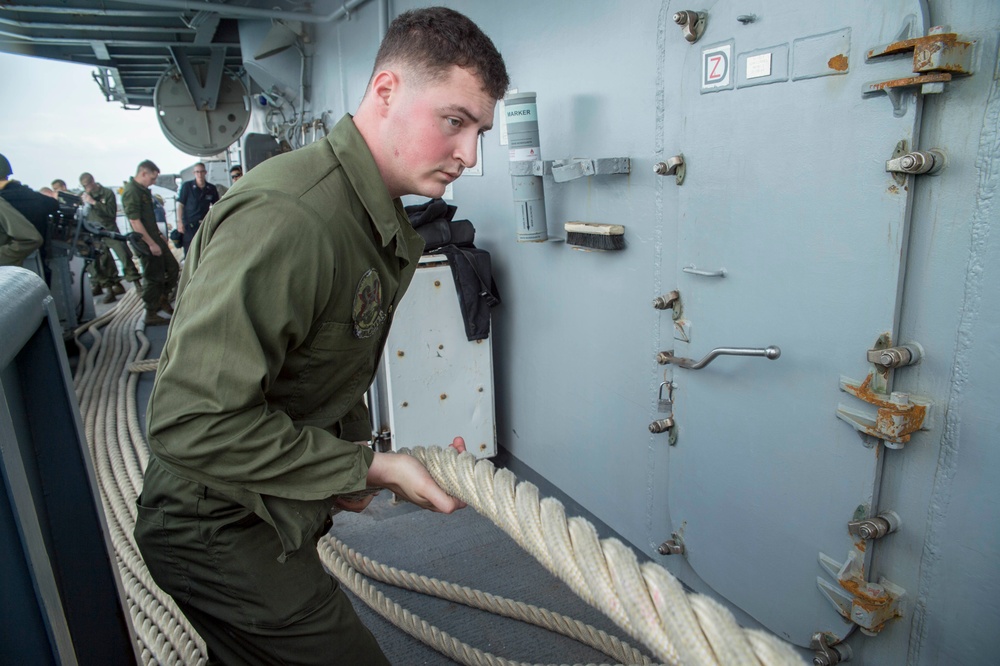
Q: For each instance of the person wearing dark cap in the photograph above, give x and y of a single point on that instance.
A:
(29, 203)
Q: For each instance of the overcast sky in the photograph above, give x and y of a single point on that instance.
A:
(54, 123)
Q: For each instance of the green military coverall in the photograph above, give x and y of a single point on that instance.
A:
(103, 213)
(283, 309)
(18, 236)
(159, 273)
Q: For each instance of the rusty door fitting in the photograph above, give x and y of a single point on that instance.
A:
(937, 58)
(828, 651)
(672, 546)
(917, 162)
(899, 415)
(868, 605)
(896, 357)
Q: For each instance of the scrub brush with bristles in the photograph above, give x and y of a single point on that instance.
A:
(592, 236)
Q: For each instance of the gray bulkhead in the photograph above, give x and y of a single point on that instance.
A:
(825, 251)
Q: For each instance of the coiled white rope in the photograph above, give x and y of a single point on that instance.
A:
(644, 600)
(106, 391)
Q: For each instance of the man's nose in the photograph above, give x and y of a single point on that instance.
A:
(467, 150)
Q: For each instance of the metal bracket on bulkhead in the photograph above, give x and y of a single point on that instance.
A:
(868, 605)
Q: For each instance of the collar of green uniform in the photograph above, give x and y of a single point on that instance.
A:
(359, 165)
(133, 181)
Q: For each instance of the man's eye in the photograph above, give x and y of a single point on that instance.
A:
(454, 122)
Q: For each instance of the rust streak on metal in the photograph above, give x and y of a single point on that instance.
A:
(862, 597)
(838, 62)
(910, 81)
(895, 48)
(893, 189)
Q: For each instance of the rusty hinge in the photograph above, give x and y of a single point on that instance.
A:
(937, 58)
(898, 416)
(868, 605)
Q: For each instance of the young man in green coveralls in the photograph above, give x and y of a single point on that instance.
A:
(159, 268)
(284, 305)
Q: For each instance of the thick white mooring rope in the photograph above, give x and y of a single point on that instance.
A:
(644, 600)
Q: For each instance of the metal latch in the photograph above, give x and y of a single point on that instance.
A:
(672, 546)
(692, 24)
(899, 415)
(919, 161)
(828, 651)
(937, 58)
(884, 523)
(673, 166)
(669, 301)
(895, 357)
(868, 605)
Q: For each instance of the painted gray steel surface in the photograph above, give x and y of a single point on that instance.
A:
(575, 339)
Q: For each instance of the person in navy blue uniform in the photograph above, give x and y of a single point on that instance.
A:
(195, 198)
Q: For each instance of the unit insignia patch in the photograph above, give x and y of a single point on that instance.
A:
(367, 314)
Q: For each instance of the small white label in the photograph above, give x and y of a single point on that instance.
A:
(758, 66)
(525, 154)
(715, 66)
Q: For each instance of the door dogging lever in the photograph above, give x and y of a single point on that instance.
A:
(664, 357)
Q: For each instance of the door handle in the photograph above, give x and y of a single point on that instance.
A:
(665, 357)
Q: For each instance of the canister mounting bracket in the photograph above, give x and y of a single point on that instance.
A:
(572, 168)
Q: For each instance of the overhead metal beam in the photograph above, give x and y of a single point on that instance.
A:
(87, 11)
(235, 11)
(86, 42)
(205, 95)
(206, 24)
(100, 50)
(89, 27)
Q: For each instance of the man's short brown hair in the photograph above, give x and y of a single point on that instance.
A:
(433, 39)
(147, 165)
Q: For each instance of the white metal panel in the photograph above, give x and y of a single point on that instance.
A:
(439, 385)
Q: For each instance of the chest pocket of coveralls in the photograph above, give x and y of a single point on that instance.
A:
(339, 363)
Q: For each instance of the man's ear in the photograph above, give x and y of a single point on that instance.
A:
(385, 87)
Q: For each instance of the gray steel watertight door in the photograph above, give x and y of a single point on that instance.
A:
(790, 233)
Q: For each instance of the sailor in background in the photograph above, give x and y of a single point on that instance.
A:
(235, 173)
(159, 268)
(34, 206)
(193, 203)
(257, 423)
(103, 213)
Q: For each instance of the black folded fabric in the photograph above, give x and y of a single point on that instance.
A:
(477, 291)
(470, 267)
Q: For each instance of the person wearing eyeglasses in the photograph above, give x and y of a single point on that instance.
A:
(193, 201)
(235, 173)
